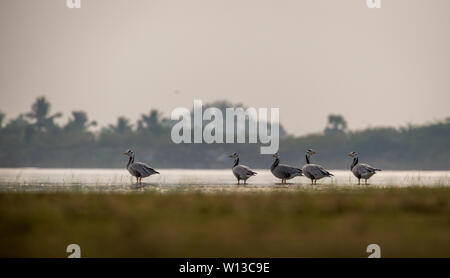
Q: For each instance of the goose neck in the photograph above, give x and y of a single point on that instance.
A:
(236, 162)
(355, 161)
(275, 163)
(130, 161)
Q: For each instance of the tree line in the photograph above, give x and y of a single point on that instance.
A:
(35, 139)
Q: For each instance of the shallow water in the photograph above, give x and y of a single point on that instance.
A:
(119, 180)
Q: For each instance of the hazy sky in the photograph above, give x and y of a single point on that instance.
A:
(387, 66)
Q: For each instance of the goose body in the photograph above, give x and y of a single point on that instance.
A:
(138, 169)
(361, 170)
(241, 172)
(284, 172)
(314, 172)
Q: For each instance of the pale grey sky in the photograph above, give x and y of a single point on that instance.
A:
(387, 66)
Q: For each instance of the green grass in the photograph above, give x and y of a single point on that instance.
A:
(405, 222)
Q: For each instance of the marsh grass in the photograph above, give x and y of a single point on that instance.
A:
(298, 221)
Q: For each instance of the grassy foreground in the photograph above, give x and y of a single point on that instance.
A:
(405, 222)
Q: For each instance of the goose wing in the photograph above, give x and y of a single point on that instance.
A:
(143, 169)
(317, 171)
(286, 172)
(367, 168)
(364, 170)
(243, 171)
(370, 167)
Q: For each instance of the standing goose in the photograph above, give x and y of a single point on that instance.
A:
(241, 172)
(138, 169)
(314, 172)
(361, 170)
(283, 172)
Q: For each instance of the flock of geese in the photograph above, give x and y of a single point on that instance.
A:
(313, 172)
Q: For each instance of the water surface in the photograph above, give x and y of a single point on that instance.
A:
(94, 180)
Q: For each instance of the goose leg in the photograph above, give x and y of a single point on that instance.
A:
(359, 181)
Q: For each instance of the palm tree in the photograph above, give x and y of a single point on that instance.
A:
(150, 121)
(40, 114)
(123, 126)
(79, 122)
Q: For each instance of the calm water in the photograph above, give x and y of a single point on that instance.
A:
(36, 179)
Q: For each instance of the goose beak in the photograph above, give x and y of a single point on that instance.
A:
(350, 155)
(314, 152)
